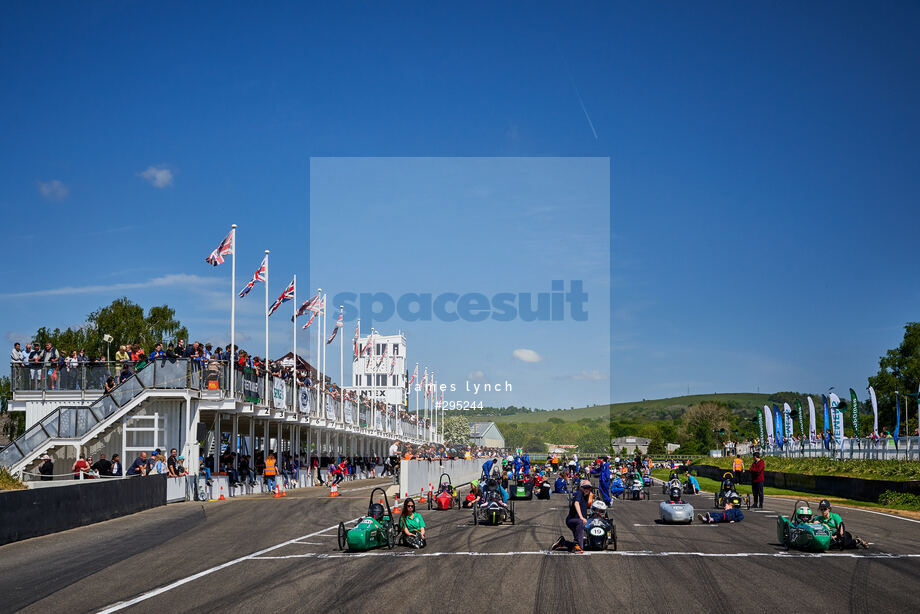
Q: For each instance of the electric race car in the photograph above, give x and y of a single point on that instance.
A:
(801, 531)
(490, 509)
(522, 489)
(727, 491)
(636, 488)
(377, 529)
(543, 489)
(674, 510)
(666, 486)
(447, 496)
(600, 532)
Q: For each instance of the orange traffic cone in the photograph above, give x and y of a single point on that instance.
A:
(277, 491)
(334, 492)
(396, 509)
(422, 499)
(283, 490)
(222, 497)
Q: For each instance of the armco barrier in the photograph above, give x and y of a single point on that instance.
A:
(41, 511)
(416, 475)
(830, 485)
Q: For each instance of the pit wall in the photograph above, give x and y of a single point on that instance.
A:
(416, 475)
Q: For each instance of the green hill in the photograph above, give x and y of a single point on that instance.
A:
(641, 411)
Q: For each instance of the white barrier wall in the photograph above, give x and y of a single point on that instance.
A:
(416, 475)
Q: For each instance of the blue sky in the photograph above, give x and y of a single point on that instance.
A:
(763, 168)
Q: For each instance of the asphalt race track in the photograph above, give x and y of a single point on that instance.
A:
(262, 554)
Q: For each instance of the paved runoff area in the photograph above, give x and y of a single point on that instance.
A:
(262, 554)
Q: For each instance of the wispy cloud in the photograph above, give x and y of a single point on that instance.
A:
(593, 375)
(158, 176)
(476, 376)
(526, 355)
(157, 282)
(53, 190)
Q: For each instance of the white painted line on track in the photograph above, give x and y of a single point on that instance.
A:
(647, 553)
(159, 591)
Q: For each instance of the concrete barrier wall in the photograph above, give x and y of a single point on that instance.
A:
(416, 475)
(30, 513)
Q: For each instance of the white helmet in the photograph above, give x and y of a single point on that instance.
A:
(599, 506)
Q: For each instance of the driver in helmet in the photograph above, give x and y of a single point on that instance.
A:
(375, 511)
(839, 537)
(674, 495)
(730, 513)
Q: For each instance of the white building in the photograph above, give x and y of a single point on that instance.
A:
(382, 371)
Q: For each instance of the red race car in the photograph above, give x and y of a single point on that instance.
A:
(447, 496)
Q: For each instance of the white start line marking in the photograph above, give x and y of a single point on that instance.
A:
(647, 553)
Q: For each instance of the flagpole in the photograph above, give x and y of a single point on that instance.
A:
(417, 427)
(342, 358)
(373, 378)
(266, 397)
(294, 303)
(232, 315)
(322, 302)
(319, 396)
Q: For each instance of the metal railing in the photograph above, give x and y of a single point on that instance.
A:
(852, 448)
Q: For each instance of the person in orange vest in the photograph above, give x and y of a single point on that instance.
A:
(270, 471)
(738, 468)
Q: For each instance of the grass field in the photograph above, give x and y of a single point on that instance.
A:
(639, 411)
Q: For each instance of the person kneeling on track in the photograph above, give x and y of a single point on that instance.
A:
(693, 486)
(731, 513)
(840, 538)
(582, 501)
(411, 526)
(474, 494)
(561, 485)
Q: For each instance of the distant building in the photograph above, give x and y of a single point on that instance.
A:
(630, 443)
(486, 435)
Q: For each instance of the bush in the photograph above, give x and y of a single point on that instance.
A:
(900, 500)
(9, 481)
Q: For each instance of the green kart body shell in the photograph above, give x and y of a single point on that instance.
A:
(801, 532)
(375, 530)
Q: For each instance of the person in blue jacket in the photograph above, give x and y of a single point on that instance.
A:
(603, 477)
(526, 461)
(561, 485)
(517, 466)
(487, 469)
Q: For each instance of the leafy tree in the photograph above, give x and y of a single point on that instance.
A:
(706, 426)
(124, 321)
(534, 444)
(457, 430)
(899, 369)
(12, 424)
(656, 446)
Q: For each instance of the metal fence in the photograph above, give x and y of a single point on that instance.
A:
(907, 448)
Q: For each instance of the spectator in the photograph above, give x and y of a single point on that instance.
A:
(81, 467)
(139, 466)
(110, 385)
(757, 479)
(16, 355)
(116, 465)
(171, 463)
(171, 353)
(46, 469)
(49, 359)
(122, 355)
(125, 373)
(180, 467)
(180, 347)
(35, 362)
(157, 352)
(102, 466)
(73, 371)
(157, 465)
(82, 357)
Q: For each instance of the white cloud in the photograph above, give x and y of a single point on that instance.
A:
(592, 376)
(527, 355)
(157, 282)
(53, 190)
(476, 376)
(158, 176)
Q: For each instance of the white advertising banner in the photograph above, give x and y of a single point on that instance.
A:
(349, 409)
(304, 394)
(279, 393)
(330, 407)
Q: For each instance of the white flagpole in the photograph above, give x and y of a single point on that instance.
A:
(319, 396)
(342, 361)
(323, 318)
(373, 378)
(232, 317)
(417, 417)
(265, 399)
(295, 344)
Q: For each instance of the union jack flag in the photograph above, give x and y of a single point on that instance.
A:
(392, 365)
(286, 296)
(338, 324)
(414, 375)
(357, 346)
(368, 349)
(308, 305)
(258, 276)
(310, 321)
(224, 249)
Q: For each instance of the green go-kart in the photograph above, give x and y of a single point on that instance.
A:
(801, 531)
(375, 530)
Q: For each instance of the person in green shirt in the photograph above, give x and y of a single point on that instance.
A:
(839, 537)
(412, 526)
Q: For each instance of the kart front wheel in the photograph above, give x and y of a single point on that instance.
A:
(343, 536)
(429, 502)
(475, 518)
(391, 537)
(614, 538)
(786, 540)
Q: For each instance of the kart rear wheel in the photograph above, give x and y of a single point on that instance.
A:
(429, 502)
(343, 536)
(614, 538)
(475, 518)
(747, 500)
(391, 537)
(512, 512)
